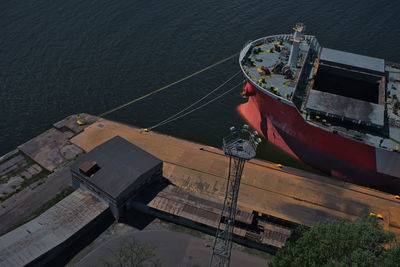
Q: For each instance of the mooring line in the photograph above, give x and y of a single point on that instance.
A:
(193, 104)
(167, 86)
(193, 110)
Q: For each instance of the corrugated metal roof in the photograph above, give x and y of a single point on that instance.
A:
(174, 201)
(275, 235)
(354, 60)
(39, 236)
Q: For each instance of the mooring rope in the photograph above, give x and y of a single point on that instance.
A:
(193, 110)
(193, 104)
(167, 86)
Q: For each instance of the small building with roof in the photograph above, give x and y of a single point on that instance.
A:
(115, 171)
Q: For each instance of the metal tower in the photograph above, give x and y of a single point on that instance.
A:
(241, 145)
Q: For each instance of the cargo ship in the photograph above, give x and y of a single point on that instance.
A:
(339, 112)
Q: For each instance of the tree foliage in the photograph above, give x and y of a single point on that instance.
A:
(362, 242)
(133, 254)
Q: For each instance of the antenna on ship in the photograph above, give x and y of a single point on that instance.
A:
(297, 37)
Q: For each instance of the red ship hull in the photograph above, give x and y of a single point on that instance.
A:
(338, 156)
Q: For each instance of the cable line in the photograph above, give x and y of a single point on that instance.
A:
(167, 86)
(193, 110)
(198, 101)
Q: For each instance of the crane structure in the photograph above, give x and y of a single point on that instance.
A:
(240, 146)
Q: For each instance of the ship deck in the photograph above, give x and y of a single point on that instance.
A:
(343, 107)
(332, 111)
(265, 54)
(369, 88)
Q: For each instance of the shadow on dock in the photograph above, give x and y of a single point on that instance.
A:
(138, 219)
(86, 236)
(79, 241)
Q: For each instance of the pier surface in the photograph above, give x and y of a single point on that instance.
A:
(282, 192)
(52, 229)
(37, 170)
(198, 174)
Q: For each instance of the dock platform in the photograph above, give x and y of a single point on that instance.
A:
(290, 194)
(273, 199)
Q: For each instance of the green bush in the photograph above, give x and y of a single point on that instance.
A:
(362, 242)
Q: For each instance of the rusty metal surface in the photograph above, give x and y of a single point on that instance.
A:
(175, 201)
(39, 236)
(245, 217)
(200, 215)
(275, 235)
(344, 107)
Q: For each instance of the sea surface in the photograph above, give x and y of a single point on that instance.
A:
(63, 57)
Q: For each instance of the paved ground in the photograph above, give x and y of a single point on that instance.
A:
(281, 192)
(19, 207)
(52, 148)
(52, 229)
(15, 170)
(23, 178)
(174, 248)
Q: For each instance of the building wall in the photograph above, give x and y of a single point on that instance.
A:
(117, 206)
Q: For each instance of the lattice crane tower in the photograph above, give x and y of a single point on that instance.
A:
(240, 146)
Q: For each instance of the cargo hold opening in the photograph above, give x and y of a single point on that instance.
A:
(348, 83)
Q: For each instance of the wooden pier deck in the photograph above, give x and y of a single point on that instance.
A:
(285, 193)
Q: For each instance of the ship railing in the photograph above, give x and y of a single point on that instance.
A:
(241, 134)
(271, 38)
(391, 64)
(301, 73)
(245, 48)
(340, 132)
(278, 37)
(301, 93)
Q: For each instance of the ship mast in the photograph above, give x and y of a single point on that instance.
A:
(294, 52)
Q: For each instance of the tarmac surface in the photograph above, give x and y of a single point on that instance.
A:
(174, 249)
(19, 207)
(42, 236)
(282, 192)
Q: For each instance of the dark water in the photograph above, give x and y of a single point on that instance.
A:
(63, 57)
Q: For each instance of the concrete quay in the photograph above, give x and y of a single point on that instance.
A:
(266, 188)
(272, 198)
